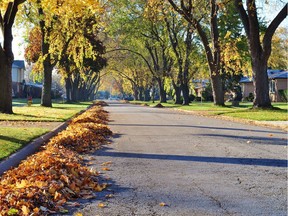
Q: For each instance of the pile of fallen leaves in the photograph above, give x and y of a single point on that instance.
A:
(45, 181)
(101, 103)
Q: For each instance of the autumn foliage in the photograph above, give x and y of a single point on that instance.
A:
(45, 181)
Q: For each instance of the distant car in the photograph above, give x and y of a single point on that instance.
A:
(129, 98)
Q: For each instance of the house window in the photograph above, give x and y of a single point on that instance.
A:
(272, 86)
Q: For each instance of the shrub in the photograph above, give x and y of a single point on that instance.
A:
(283, 93)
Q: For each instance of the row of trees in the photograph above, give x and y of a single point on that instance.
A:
(172, 38)
(149, 42)
(64, 35)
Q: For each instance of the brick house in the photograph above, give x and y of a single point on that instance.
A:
(277, 81)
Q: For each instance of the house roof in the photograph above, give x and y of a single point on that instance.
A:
(280, 75)
(272, 74)
(246, 80)
(18, 64)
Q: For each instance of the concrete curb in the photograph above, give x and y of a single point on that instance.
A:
(32, 147)
(16, 158)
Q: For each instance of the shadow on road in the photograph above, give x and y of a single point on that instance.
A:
(194, 126)
(222, 160)
(259, 140)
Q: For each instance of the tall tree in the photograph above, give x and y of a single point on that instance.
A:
(181, 41)
(10, 10)
(260, 50)
(194, 14)
(136, 28)
(60, 22)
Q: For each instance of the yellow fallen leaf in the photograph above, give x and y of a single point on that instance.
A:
(101, 205)
(36, 210)
(25, 210)
(106, 169)
(162, 204)
(78, 214)
(106, 163)
(108, 196)
(57, 195)
(21, 184)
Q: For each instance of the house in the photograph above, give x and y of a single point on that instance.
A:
(18, 68)
(199, 86)
(33, 89)
(277, 82)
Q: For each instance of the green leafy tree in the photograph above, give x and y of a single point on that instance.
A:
(260, 51)
(60, 23)
(8, 12)
(195, 12)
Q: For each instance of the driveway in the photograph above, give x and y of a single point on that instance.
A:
(163, 162)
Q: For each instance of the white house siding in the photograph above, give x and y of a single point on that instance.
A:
(247, 88)
(17, 78)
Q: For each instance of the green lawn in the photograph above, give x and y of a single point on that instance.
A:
(244, 110)
(58, 113)
(13, 139)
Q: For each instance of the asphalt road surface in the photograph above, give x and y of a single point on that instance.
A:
(191, 165)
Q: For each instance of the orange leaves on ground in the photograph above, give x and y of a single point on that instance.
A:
(101, 103)
(95, 114)
(106, 163)
(43, 182)
(162, 204)
(101, 205)
(105, 169)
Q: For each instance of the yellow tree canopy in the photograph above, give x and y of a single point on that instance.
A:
(66, 22)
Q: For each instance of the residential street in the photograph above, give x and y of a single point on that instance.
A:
(192, 165)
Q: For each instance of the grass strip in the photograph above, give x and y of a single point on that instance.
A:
(45, 181)
(60, 112)
(243, 111)
(13, 139)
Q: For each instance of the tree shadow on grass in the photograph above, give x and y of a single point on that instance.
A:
(12, 139)
(39, 118)
(250, 110)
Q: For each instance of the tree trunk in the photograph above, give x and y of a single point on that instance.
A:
(68, 88)
(5, 84)
(147, 95)
(141, 98)
(185, 92)
(177, 90)
(46, 100)
(162, 91)
(261, 85)
(74, 92)
(7, 57)
(217, 90)
(47, 81)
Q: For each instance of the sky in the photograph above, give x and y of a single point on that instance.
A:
(270, 11)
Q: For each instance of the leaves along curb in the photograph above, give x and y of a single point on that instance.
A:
(45, 181)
